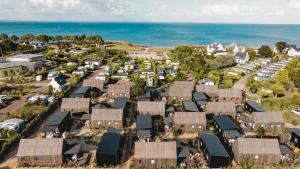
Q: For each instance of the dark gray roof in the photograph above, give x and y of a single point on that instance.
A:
(183, 152)
(213, 145)
(143, 122)
(74, 150)
(232, 133)
(199, 96)
(49, 129)
(284, 149)
(190, 106)
(143, 133)
(255, 106)
(239, 109)
(119, 103)
(109, 144)
(294, 130)
(86, 117)
(224, 122)
(200, 103)
(56, 119)
(60, 80)
(99, 106)
(82, 90)
(170, 109)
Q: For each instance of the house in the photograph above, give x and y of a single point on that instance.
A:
(119, 90)
(286, 153)
(238, 49)
(108, 151)
(294, 52)
(220, 108)
(107, 118)
(216, 49)
(93, 83)
(181, 90)
(214, 152)
(77, 106)
(153, 155)
(258, 150)
(231, 95)
(268, 120)
(226, 128)
(82, 92)
(144, 126)
(190, 121)
(58, 83)
(12, 124)
(199, 96)
(241, 57)
(210, 90)
(120, 76)
(252, 106)
(294, 136)
(27, 58)
(57, 124)
(151, 108)
(207, 81)
(41, 152)
(189, 106)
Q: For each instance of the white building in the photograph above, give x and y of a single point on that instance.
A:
(216, 49)
(12, 124)
(58, 83)
(26, 58)
(237, 49)
(241, 57)
(294, 52)
(207, 81)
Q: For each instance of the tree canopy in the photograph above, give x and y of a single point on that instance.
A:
(280, 46)
(265, 51)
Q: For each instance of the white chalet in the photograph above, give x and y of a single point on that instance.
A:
(216, 49)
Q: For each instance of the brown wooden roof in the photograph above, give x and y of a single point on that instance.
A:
(181, 89)
(257, 146)
(208, 89)
(93, 83)
(152, 107)
(220, 107)
(75, 103)
(119, 88)
(230, 93)
(155, 150)
(107, 115)
(40, 146)
(267, 117)
(190, 118)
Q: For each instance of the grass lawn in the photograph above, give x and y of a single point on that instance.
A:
(26, 112)
(291, 118)
(124, 46)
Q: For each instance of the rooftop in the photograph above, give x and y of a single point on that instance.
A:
(254, 106)
(143, 122)
(213, 145)
(109, 144)
(258, 146)
(56, 119)
(224, 122)
(119, 103)
(190, 118)
(190, 106)
(155, 150)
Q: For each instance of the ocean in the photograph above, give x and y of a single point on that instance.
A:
(164, 34)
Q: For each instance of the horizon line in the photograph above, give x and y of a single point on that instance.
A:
(157, 22)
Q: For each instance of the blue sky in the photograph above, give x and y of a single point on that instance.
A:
(216, 11)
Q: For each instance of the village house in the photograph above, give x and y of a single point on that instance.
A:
(189, 106)
(76, 106)
(93, 83)
(181, 90)
(153, 108)
(119, 103)
(268, 120)
(251, 106)
(214, 152)
(82, 92)
(56, 124)
(190, 121)
(210, 90)
(231, 95)
(108, 151)
(144, 127)
(221, 108)
(226, 128)
(258, 150)
(293, 51)
(216, 49)
(238, 48)
(153, 155)
(107, 118)
(294, 136)
(58, 83)
(119, 90)
(241, 57)
(41, 152)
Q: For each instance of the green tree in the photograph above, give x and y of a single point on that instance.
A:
(278, 89)
(14, 38)
(139, 86)
(3, 36)
(265, 51)
(246, 163)
(27, 38)
(282, 76)
(260, 131)
(8, 45)
(43, 38)
(280, 46)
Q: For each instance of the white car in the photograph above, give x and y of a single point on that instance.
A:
(296, 111)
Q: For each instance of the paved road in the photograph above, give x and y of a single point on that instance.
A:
(19, 103)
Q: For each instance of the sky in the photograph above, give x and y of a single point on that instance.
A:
(200, 11)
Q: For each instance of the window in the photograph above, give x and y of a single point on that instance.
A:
(152, 161)
(193, 126)
(256, 157)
